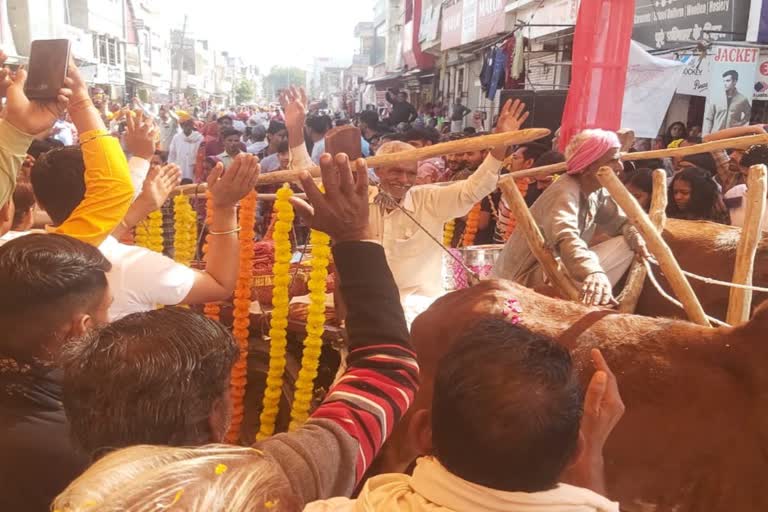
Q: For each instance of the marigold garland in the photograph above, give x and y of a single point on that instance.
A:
(313, 343)
(470, 230)
(149, 232)
(242, 313)
(522, 186)
(279, 322)
(211, 309)
(185, 230)
(448, 231)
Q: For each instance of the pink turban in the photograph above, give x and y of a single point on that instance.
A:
(587, 147)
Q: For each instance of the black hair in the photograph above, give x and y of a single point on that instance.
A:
(755, 155)
(470, 130)
(58, 181)
(319, 123)
(283, 147)
(222, 118)
(548, 158)
(506, 408)
(163, 155)
(275, 127)
(38, 147)
(733, 74)
(702, 160)
(148, 378)
(369, 117)
(642, 178)
(45, 279)
(653, 163)
(429, 134)
(704, 193)
(533, 150)
(694, 140)
(229, 132)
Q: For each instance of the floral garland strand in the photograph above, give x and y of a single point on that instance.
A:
(313, 343)
(185, 230)
(448, 231)
(279, 322)
(473, 219)
(242, 314)
(211, 309)
(149, 232)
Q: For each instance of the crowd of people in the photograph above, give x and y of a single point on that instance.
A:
(109, 403)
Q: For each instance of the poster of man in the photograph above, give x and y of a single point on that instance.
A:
(732, 74)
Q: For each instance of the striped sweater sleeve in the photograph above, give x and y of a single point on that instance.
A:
(382, 372)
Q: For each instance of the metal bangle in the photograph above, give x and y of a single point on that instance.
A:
(237, 229)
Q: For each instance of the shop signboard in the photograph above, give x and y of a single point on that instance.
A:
(430, 18)
(671, 23)
(761, 78)
(731, 82)
(549, 17)
(451, 27)
(490, 18)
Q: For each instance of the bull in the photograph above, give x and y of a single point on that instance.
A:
(693, 437)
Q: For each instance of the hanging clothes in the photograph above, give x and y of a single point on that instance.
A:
(486, 72)
(498, 76)
(510, 48)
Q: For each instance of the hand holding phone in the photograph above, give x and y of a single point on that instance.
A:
(48, 62)
(34, 117)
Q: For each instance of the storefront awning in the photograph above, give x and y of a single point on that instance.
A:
(139, 81)
(385, 78)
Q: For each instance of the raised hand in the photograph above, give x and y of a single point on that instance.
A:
(158, 185)
(5, 75)
(512, 116)
(294, 103)
(230, 186)
(342, 211)
(34, 117)
(140, 135)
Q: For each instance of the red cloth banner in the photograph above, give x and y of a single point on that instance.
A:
(600, 56)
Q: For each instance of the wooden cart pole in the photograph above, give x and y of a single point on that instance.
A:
(536, 242)
(656, 245)
(414, 155)
(637, 273)
(706, 147)
(740, 301)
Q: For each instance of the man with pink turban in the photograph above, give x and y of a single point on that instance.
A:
(569, 213)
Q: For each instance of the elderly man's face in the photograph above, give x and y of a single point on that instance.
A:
(398, 179)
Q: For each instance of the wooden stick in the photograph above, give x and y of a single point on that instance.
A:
(740, 301)
(656, 244)
(415, 155)
(706, 147)
(525, 222)
(637, 273)
(261, 197)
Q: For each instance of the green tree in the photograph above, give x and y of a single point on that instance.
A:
(244, 92)
(282, 78)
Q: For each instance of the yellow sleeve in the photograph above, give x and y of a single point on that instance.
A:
(13, 147)
(108, 190)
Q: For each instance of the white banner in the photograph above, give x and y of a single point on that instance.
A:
(695, 75)
(469, 21)
(651, 83)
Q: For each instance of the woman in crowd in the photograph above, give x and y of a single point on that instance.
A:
(640, 185)
(693, 195)
(676, 131)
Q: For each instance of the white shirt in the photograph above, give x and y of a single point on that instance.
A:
(739, 211)
(168, 130)
(414, 258)
(256, 147)
(183, 152)
(141, 279)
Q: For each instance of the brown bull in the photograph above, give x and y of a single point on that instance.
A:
(693, 438)
(709, 250)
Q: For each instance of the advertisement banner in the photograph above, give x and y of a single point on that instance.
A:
(761, 78)
(651, 83)
(430, 17)
(695, 77)
(671, 23)
(731, 83)
(490, 18)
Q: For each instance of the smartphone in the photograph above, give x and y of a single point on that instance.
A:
(48, 63)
